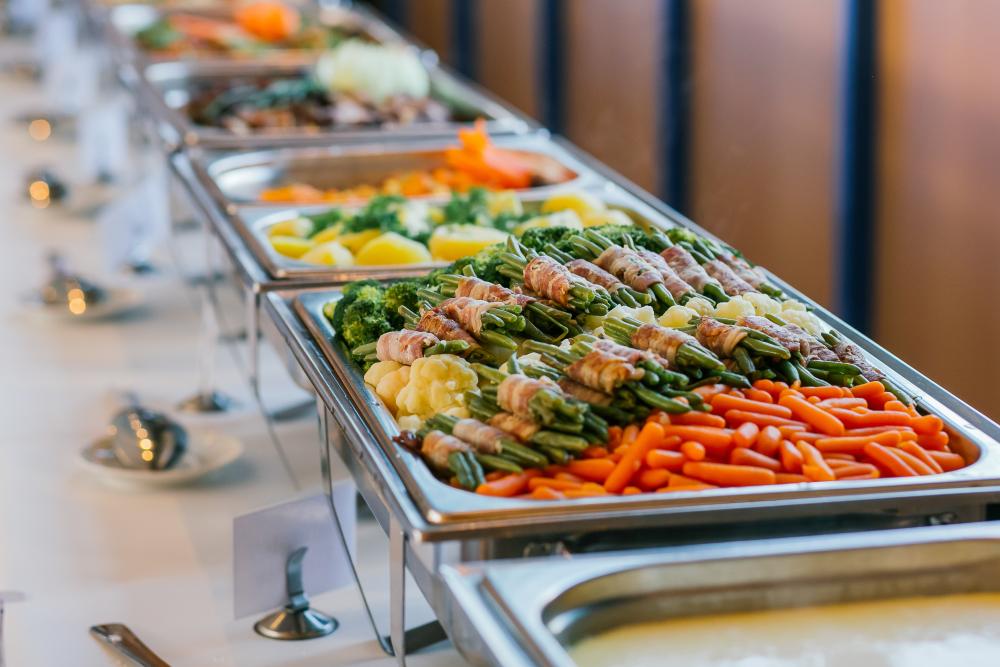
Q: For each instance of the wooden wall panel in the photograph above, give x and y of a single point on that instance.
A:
(507, 51)
(764, 118)
(613, 65)
(430, 22)
(938, 271)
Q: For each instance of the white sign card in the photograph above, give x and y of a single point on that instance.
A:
(263, 541)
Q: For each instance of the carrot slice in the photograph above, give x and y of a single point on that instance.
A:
(748, 457)
(594, 470)
(764, 385)
(666, 460)
(791, 457)
(814, 466)
(821, 420)
(505, 487)
(725, 474)
(887, 459)
(855, 444)
(746, 434)
(651, 433)
(693, 451)
(916, 450)
(768, 441)
(948, 460)
(724, 402)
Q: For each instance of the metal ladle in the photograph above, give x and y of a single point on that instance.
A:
(143, 439)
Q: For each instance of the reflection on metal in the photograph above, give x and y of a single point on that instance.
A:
(296, 620)
(552, 70)
(675, 107)
(856, 210)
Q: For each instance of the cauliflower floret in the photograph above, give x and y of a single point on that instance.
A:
(792, 304)
(379, 370)
(763, 304)
(644, 314)
(391, 384)
(409, 423)
(703, 307)
(436, 384)
(735, 308)
(677, 316)
(806, 320)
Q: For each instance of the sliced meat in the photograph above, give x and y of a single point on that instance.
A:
(718, 337)
(468, 312)
(629, 267)
(585, 394)
(751, 274)
(403, 347)
(522, 428)
(850, 353)
(784, 336)
(595, 274)
(602, 371)
(485, 438)
(630, 354)
(516, 391)
(671, 280)
(477, 288)
(687, 268)
(435, 322)
(547, 277)
(661, 340)
(438, 446)
(731, 283)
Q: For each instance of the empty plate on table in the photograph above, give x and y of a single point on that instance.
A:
(207, 452)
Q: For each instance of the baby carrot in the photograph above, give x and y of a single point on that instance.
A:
(725, 474)
(746, 434)
(758, 395)
(838, 456)
(695, 486)
(748, 457)
(878, 401)
(629, 434)
(652, 479)
(737, 417)
(724, 402)
(948, 460)
(594, 452)
(714, 438)
(585, 493)
(631, 491)
(821, 420)
(680, 480)
(631, 460)
(791, 457)
(853, 419)
(693, 451)
(768, 441)
(855, 469)
(896, 406)
(846, 403)
(922, 454)
(547, 493)
(553, 483)
(568, 477)
(856, 444)
(594, 470)
(505, 487)
(823, 392)
(813, 465)
(936, 441)
(869, 430)
(667, 460)
(887, 458)
(764, 385)
(927, 425)
(915, 463)
(868, 389)
(614, 436)
(789, 478)
(695, 418)
(837, 463)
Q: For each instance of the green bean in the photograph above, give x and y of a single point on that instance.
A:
(716, 293)
(496, 463)
(808, 379)
(460, 467)
(742, 358)
(777, 320)
(364, 350)
(765, 349)
(834, 367)
(570, 443)
(662, 295)
(521, 454)
(654, 400)
(734, 380)
(557, 456)
(787, 369)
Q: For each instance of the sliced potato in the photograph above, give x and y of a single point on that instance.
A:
(354, 241)
(505, 201)
(300, 227)
(391, 248)
(565, 218)
(451, 242)
(330, 253)
(611, 216)
(291, 246)
(329, 234)
(580, 202)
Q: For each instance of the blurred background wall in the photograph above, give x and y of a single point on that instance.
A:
(737, 114)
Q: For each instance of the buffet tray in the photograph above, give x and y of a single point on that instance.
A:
(503, 527)
(165, 87)
(526, 613)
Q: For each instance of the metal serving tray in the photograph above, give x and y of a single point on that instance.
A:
(167, 87)
(254, 222)
(525, 613)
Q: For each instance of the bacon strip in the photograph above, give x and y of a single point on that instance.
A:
(629, 267)
(435, 322)
(790, 340)
(585, 394)
(630, 354)
(752, 275)
(477, 288)
(817, 349)
(485, 438)
(468, 312)
(602, 371)
(850, 353)
(731, 283)
(437, 446)
(595, 274)
(544, 275)
(403, 347)
(661, 340)
(718, 337)
(516, 391)
(522, 428)
(671, 280)
(687, 268)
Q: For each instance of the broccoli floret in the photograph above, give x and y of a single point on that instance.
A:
(364, 321)
(402, 293)
(537, 238)
(360, 289)
(325, 220)
(486, 263)
(471, 208)
(381, 213)
(679, 235)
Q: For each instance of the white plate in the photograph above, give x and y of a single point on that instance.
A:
(207, 452)
(120, 300)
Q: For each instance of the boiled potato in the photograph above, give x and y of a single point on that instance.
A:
(505, 201)
(354, 241)
(291, 246)
(581, 203)
(391, 248)
(329, 234)
(566, 218)
(451, 242)
(300, 227)
(610, 216)
(330, 253)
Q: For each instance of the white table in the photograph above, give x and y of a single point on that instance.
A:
(160, 561)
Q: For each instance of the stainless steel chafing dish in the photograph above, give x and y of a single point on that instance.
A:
(515, 614)
(166, 88)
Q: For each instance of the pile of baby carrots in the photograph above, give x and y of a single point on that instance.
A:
(772, 433)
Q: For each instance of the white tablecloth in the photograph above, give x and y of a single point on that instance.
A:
(160, 561)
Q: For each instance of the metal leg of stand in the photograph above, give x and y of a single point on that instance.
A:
(410, 640)
(253, 340)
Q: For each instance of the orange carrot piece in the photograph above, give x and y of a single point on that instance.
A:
(695, 418)
(725, 474)
(505, 487)
(837, 463)
(768, 441)
(585, 493)
(764, 385)
(681, 480)
(823, 392)
(758, 395)
(846, 403)
(547, 493)
(796, 434)
(629, 434)
(878, 401)
(695, 486)
(851, 478)
(614, 436)
(918, 466)
(789, 478)
(593, 470)
(855, 444)
(861, 418)
(666, 460)
(916, 450)
(651, 433)
(748, 457)
(746, 434)
(569, 477)
(714, 438)
(791, 457)
(868, 389)
(948, 460)
(896, 406)
(869, 430)
(737, 417)
(693, 451)
(553, 483)
(631, 491)
(839, 456)
(927, 425)
(886, 458)
(821, 420)
(935, 441)
(814, 466)
(652, 479)
(855, 469)
(594, 452)
(725, 402)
